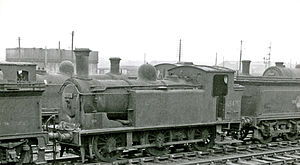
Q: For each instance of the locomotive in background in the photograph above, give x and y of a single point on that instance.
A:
(102, 118)
(270, 103)
(20, 116)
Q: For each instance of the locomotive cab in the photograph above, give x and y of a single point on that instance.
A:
(222, 94)
(20, 116)
(18, 72)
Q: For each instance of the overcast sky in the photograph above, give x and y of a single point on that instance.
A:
(130, 28)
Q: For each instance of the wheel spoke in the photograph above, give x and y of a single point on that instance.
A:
(205, 135)
(244, 133)
(264, 134)
(101, 143)
(158, 139)
(104, 148)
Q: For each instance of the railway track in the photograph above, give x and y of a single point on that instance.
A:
(272, 153)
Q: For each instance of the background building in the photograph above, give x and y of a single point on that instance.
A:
(48, 59)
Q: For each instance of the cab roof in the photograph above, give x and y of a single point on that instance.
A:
(206, 68)
(17, 63)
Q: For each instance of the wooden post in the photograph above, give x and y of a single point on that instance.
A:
(241, 52)
(72, 56)
(19, 49)
(179, 60)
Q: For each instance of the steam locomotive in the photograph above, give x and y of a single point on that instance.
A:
(189, 106)
(271, 103)
(102, 118)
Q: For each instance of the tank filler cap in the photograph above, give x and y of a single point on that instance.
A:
(147, 72)
(66, 67)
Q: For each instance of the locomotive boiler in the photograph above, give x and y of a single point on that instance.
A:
(102, 118)
(280, 70)
(51, 98)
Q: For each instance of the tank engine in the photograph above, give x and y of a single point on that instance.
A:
(102, 118)
(20, 116)
(270, 104)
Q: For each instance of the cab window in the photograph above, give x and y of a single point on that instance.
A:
(220, 85)
(22, 75)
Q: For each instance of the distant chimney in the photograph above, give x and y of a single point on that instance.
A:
(279, 64)
(82, 62)
(185, 63)
(246, 67)
(115, 65)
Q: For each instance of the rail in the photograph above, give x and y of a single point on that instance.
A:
(235, 154)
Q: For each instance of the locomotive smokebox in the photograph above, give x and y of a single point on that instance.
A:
(115, 65)
(82, 62)
(246, 67)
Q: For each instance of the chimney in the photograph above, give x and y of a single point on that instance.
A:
(82, 62)
(279, 64)
(115, 65)
(246, 67)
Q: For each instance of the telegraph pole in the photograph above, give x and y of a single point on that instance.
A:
(19, 48)
(59, 53)
(179, 51)
(144, 58)
(72, 46)
(46, 57)
(216, 60)
(269, 55)
(241, 52)
(267, 60)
